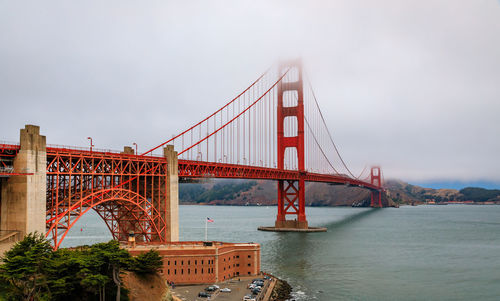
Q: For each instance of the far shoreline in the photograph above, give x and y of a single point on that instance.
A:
(343, 206)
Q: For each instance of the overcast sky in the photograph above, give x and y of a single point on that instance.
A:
(411, 85)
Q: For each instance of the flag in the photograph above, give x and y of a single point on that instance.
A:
(210, 220)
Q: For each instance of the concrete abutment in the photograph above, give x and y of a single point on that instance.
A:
(23, 195)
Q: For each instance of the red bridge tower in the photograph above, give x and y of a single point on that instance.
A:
(291, 193)
(376, 179)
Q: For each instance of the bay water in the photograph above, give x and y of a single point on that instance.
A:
(410, 253)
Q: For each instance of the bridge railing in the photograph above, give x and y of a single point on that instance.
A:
(96, 150)
(80, 148)
(9, 145)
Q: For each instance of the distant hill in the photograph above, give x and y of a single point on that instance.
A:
(404, 193)
(480, 194)
(254, 192)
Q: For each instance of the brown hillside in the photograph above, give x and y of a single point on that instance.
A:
(146, 288)
(405, 193)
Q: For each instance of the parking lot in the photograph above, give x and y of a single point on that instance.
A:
(238, 290)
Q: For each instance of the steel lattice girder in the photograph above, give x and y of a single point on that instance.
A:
(291, 190)
(7, 155)
(202, 169)
(128, 192)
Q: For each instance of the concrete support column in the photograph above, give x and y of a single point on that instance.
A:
(172, 202)
(128, 150)
(24, 196)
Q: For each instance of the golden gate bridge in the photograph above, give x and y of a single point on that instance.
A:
(272, 130)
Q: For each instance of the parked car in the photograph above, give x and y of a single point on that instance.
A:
(226, 290)
(210, 289)
(259, 282)
(249, 298)
(256, 291)
(216, 286)
(204, 295)
(251, 286)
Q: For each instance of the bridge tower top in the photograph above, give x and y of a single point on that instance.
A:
(293, 108)
(376, 176)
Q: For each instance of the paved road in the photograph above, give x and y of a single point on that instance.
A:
(238, 291)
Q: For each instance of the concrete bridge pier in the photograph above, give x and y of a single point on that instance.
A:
(23, 197)
(172, 204)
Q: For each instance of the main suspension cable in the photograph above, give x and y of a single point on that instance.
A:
(194, 126)
(237, 116)
(327, 130)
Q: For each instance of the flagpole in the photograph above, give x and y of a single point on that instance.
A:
(206, 228)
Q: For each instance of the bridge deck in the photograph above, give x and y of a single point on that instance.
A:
(196, 169)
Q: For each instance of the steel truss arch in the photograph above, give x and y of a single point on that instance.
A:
(122, 210)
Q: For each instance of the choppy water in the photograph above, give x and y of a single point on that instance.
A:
(410, 253)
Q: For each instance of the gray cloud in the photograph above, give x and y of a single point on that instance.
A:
(411, 85)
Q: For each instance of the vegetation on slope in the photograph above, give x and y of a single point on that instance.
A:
(231, 192)
(31, 270)
(480, 194)
(222, 191)
(405, 193)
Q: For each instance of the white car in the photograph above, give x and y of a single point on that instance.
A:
(216, 286)
(226, 290)
(248, 298)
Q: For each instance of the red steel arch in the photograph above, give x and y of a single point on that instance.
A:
(122, 210)
(129, 192)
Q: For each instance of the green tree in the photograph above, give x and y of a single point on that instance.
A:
(23, 271)
(96, 284)
(33, 271)
(147, 263)
(77, 274)
(61, 272)
(116, 260)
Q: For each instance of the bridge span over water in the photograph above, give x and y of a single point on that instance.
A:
(273, 130)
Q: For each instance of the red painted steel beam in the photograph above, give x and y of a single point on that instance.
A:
(10, 147)
(202, 169)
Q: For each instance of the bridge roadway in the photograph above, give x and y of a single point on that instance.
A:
(194, 169)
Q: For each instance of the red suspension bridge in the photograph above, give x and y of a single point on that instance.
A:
(273, 130)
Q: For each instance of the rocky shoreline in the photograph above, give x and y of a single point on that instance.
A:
(281, 291)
